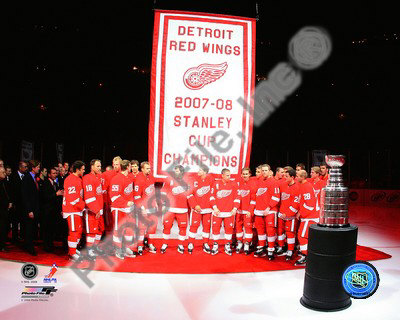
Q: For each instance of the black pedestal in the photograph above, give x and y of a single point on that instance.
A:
(330, 252)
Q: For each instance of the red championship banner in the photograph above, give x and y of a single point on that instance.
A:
(201, 65)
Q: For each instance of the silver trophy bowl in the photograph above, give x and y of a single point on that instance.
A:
(335, 196)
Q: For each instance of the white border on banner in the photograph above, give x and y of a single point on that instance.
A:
(158, 82)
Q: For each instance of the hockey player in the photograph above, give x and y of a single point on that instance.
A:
(225, 202)
(265, 212)
(280, 174)
(121, 196)
(258, 172)
(134, 170)
(307, 214)
(175, 190)
(300, 166)
(245, 216)
(145, 201)
(289, 206)
(106, 180)
(72, 207)
(324, 176)
(93, 215)
(285, 169)
(199, 201)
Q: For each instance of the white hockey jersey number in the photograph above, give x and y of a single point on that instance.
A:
(71, 190)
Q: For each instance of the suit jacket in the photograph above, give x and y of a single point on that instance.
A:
(61, 181)
(30, 195)
(15, 189)
(4, 197)
(48, 196)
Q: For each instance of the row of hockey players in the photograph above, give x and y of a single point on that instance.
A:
(279, 207)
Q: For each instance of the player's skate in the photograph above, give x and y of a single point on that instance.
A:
(152, 248)
(279, 251)
(239, 247)
(206, 248)
(92, 254)
(163, 248)
(228, 249)
(75, 257)
(271, 254)
(246, 248)
(119, 254)
(129, 253)
(214, 250)
(190, 248)
(302, 261)
(140, 250)
(260, 252)
(289, 255)
(181, 248)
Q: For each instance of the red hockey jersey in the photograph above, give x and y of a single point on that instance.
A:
(121, 192)
(224, 196)
(73, 196)
(290, 200)
(133, 176)
(201, 192)
(176, 193)
(247, 196)
(318, 185)
(93, 192)
(324, 178)
(107, 176)
(144, 193)
(308, 201)
(267, 195)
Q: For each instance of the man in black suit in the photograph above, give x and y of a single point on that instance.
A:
(16, 199)
(30, 201)
(5, 204)
(49, 193)
(61, 223)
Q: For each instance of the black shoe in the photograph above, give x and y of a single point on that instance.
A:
(271, 255)
(4, 250)
(190, 248)
(32, 252)
(48, 247)
(16, 240)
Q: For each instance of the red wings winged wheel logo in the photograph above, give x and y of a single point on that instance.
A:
(197, 77)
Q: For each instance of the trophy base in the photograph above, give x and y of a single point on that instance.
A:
(311, 305)
(330, 252)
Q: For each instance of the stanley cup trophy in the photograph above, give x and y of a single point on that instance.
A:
(335, 196)
(331, 246)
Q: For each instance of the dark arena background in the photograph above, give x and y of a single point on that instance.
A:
(78, 75)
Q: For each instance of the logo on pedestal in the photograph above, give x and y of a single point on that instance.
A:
(360, 280)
